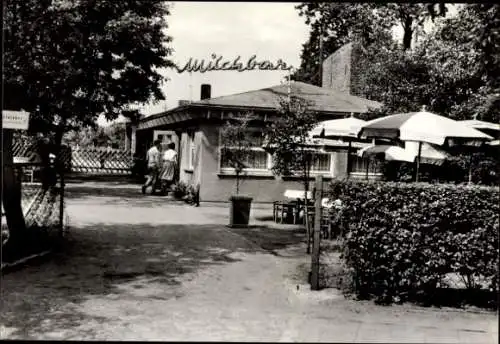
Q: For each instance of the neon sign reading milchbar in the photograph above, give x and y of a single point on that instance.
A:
(216, 64)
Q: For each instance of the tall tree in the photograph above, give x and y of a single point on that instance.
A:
(367, 23)
(336, 24)
(66, 62)
(410, 16)
(453, 71)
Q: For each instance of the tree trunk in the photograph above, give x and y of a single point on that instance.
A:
(237, 183)
(408, 33)
(58, 139)
(11, 192)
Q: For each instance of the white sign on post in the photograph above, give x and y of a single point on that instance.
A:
(15, 119)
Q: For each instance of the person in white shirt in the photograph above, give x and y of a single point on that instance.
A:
(169, 167)
(153, 160)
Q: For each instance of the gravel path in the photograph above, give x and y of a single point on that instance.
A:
(146, 269)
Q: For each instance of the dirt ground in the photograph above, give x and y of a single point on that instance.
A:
(146, 268)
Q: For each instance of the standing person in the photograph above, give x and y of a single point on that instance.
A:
(153, 162)
(169, 167)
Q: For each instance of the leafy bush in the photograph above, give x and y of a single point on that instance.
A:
(183, 191)
(403, 239)
(180, 190)
(192, 195)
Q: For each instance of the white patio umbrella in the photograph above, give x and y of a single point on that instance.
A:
(343, 127)
(423, 127)
(390, 153)
(489, 128)
(484, 126)
(430, 154)
(346, 129)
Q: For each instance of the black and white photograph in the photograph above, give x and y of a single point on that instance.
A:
(250, 171)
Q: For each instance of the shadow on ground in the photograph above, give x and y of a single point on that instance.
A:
(272, 238)
(100, 259)
(75, 191)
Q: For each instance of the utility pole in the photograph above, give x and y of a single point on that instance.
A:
(321, 55)
(318, 190)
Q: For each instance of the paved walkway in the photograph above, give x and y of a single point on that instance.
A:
(140, 269)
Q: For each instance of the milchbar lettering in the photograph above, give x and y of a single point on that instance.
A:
(218, 63)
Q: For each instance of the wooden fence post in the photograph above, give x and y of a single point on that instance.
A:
(316, 234)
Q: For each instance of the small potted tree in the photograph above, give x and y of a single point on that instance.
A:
(288, 138)
(235, 152)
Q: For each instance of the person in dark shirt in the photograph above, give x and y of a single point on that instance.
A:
(48, 174)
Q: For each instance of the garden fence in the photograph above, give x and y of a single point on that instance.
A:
(94, 160)
(101, 160)
(43, 210)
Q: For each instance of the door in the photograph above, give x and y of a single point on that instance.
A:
(166, 136)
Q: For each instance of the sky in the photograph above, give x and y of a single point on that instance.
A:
(271, 31)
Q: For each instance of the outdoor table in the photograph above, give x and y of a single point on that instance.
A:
(293, 207)
(297, 194)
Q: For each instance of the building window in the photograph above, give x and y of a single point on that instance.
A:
(321, 162)
(257, 159)
(359, 165)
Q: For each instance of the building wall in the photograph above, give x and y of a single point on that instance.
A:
(340, 164)
(190, 174)
(185, 175)
(217, 187)
(337, 70)
(343, 70)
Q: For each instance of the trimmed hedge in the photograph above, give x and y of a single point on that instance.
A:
(402, 239)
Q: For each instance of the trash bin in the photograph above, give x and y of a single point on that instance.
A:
(240, 211)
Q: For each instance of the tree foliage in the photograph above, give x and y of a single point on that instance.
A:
(410, 16)
(453, 71)
(111, 136)
(336, 24)
(368, 23)
(288, 138)
(66, 62)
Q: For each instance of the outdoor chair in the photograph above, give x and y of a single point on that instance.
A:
(331, 220)
(285, 212)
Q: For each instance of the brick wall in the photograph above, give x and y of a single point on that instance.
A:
(342, 70)
(358, 60)
(337, 69)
